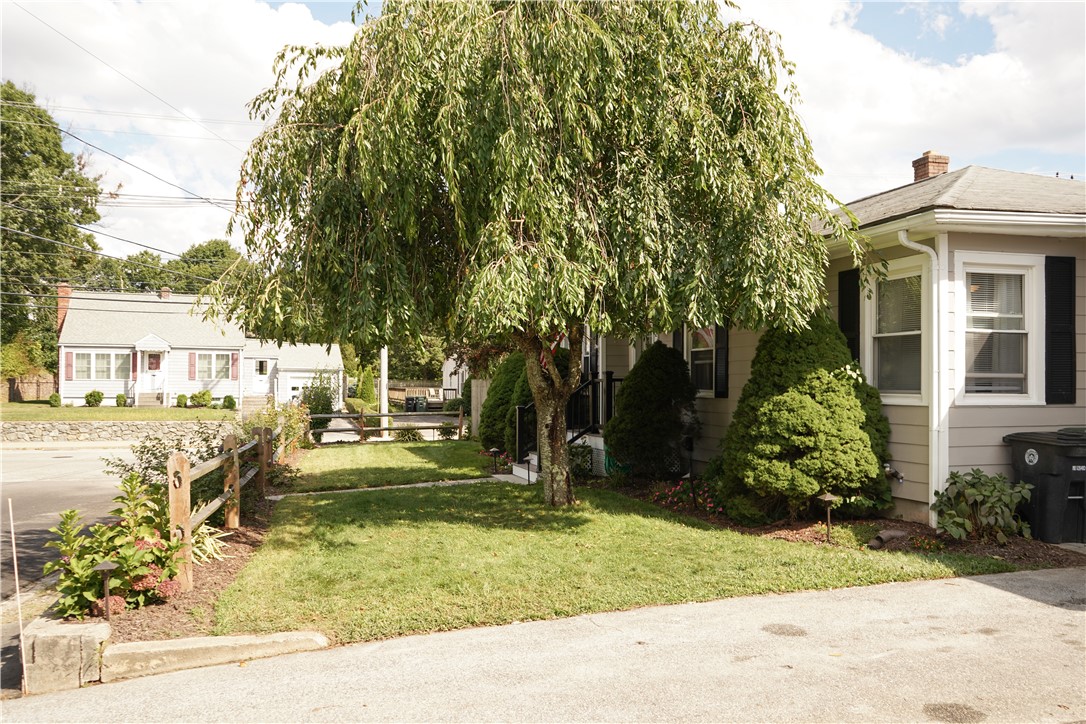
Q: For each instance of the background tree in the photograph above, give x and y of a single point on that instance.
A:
(45, 191)
(411, 358)
(517, 170)
(209, 260)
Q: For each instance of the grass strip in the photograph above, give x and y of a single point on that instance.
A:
(40, 411)
(377, 464)
(391, 563)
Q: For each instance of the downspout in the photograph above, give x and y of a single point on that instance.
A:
(935, 408)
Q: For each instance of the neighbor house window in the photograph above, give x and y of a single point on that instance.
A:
(122, 366)
(103, 364)
(996, 337)
(701, 357)
(897, 342)
(82, 365)
(262, 367)
(213, 366)
(1001, 336)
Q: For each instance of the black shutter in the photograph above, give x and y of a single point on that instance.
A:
(720, 372)
(848, 309)
(1060, 330)
(677, 340)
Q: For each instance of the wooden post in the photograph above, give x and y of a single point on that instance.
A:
(362, 426)
(281, 448)
(232, 483)
(460, 425)
(261, 478)
(179, 485)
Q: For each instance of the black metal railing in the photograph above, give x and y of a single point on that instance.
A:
(589, 408)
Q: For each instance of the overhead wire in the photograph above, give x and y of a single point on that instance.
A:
(131, 114)
(130, 133)
(126, 77)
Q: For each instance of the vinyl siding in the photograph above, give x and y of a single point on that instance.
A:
(909, 450)
(178, 382)
(976, 432)
(616, 356)
(716, 413)
(73, 391)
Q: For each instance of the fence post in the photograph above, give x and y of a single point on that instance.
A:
(232, 483)
(362, 426)
(179, 486)
(261, 478)
(460, 425)
(281, 448)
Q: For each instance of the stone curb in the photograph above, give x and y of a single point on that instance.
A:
(144, 658)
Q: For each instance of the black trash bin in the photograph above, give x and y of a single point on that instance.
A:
(410, 404)
(1054, 463)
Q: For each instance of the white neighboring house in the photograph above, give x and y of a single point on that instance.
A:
(154, 347)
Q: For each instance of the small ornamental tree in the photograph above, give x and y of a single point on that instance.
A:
(498, 399)
(807, 423)
(654, 408)
(517, 171)
(320, 396)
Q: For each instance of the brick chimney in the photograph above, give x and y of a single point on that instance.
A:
(164, 293)
(64, 298)
(929, 165)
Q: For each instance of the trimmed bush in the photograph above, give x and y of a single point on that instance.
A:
(807, 423)
(182, 400)
(229, 403)
(93, 398)
(447, 431)
(407, 434)
(121, 400)
(54, 399)
(366, 388)
(498, 399)
(456, 404)
(465, 394)
(201, 398)
(654, 408)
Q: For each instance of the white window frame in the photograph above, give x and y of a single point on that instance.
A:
(1032, 268)
(90, 365)
(93, 367)
(688, 354)
(212, 358)
(898, 269)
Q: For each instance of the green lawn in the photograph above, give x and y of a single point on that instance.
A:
(372, 465)
(41, 411)
(389, 563)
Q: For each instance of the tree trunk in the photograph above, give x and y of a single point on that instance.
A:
(551, 393)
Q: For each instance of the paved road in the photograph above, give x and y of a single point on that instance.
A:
(1009, 647)
(41, 483)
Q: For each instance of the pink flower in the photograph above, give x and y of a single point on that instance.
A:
(149, 580)
(168, 588)
(116, 605)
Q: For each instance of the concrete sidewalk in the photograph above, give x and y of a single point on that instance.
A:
(1009, 647)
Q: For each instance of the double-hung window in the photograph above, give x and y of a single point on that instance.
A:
(1002, 318)
(101, 365)
(702, 357)
(82, 365)
(895, 320)
(213, 366)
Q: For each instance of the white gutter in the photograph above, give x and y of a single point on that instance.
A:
(935, 408)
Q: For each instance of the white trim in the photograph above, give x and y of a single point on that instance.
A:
(939, 440)
(688, 350)
(897, 269)
(1032, 267)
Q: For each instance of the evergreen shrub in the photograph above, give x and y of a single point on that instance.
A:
(93, 398)
(806, 423)
(229, 403)
(654, 408)
(182, 400)
(121, 400)
(498, 398)
(465, 394)
(319, 397)
(54, 399)
(201, 398)
(366, 388)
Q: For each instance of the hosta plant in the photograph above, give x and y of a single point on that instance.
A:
(978, 505)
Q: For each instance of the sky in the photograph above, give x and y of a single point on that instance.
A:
(160, 89)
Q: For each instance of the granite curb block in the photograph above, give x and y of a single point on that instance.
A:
(64, 655)
(143, 658)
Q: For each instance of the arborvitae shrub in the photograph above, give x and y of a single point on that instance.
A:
(465, 394)
(522, 395)
(654, 408)
(182, 400)
(806, 423)
(229, 403)
(498, 397)
(366, 389)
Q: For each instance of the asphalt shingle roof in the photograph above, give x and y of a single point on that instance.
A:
(118, 319)
(974, 188)
(296, 357)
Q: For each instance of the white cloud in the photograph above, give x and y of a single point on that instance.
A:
(206, 58)
(870, 110)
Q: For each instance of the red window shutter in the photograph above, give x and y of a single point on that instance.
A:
(135, 364)
(67, 365)
(233, 365)
(192, 365)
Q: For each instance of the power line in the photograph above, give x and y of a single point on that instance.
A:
(208, 260)
(95, 231)
(44, 190)
(95, 299)
(130, 114)
(143, 170)
(130, 80)
(108, 256)
(110, 130)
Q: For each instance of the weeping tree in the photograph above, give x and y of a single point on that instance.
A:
(514, 171)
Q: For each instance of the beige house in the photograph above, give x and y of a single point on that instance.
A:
(978, 330)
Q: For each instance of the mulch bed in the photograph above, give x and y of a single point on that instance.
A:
(193, 613)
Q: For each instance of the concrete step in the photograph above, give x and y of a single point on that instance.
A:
(526, 471)
(149, 399)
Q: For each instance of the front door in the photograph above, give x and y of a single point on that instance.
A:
(261, 377)
(154, 372)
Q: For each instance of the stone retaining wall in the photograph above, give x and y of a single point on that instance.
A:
(16, 431)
